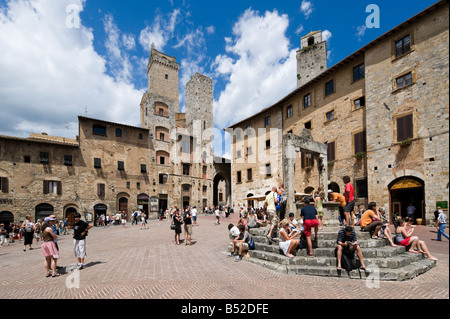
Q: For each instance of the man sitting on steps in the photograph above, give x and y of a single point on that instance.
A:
(347, 243)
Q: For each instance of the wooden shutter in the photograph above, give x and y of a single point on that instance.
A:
(59, 188)
(101, 190)
(4, 184)
(46, 187)
(331, 151)
(303, 159)
(405, 128)
(360, 142)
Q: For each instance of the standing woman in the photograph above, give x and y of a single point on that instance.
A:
(48, 248)
(177, 220)
(143, 220)
(28, 229)
(318, 203)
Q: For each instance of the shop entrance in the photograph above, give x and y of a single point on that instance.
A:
(406, 191)
(6, 218)
(70, 212)
(99, 209)
(42, 211)
(142, 201)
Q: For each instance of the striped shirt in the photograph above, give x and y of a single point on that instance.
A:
(342, 237)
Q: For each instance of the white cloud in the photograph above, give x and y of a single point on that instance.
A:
(160, 32)
(260, 66)
(51, 73)
(211, 29)
(299, 30)
(307, 8)
(326, 35)
(361, 31)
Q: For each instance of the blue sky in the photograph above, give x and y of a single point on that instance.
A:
(51, 73)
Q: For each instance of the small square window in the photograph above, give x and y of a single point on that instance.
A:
(239, 177)
(118, 132)
(330, 116)
(359, 103)
(267, 144)
(166, 76)
(99, 130)
(404, 80)
(44, 158)
(27, 159)
(68, 160)
(308, 125)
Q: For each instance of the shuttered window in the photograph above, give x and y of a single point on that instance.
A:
(101, 190)
(44, 157)
(52, 187)
(405, 127)
(360, 142)
(307, 160)
(402, 46)
(4, 187)
(331, 151)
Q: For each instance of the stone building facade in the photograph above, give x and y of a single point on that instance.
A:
(383, 114)
(110, 167)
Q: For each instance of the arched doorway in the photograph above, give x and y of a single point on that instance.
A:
(70, 212)
(309, 190)
(99, 209)
(6, 218)
(404, 191)
(334, 187)
(42, 211)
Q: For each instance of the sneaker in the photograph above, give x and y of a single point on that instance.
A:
(238, 258)
(231, 255)
(80, 266)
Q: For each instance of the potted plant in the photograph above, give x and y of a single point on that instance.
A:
(359, 155)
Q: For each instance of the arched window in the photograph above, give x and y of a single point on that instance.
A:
(162, 134)
(162, 158)
(161, 109)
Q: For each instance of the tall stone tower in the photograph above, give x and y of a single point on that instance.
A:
(199, 115)
(311, 58)
(161, 102)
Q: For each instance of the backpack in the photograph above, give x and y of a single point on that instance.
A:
(251, 243)
(348, 261)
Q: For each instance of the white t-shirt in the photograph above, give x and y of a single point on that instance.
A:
(194, 212)
(217, 213)
(234, 231)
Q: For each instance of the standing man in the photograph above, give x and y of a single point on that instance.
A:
(411, 210)
(310, 221)
(350, 200)
(80, 231)
(442, 220)
(187, 218)
(271, 212)
(194, 215)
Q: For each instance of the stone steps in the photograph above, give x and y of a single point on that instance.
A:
(384, 262)
(383, 274)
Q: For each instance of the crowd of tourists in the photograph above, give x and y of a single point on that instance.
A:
(292, 233)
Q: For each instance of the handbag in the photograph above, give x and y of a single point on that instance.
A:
(172, 225)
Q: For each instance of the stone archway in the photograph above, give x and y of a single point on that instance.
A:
(6, 218)
(222, 172)
(404, 191)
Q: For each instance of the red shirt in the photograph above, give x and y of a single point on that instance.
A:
(349, 193)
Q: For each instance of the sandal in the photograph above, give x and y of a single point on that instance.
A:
(56, 275)
(413, 252)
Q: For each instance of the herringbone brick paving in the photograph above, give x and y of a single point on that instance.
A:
(130, 263)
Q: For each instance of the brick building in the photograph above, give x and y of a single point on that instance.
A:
(382, 111)
(110, 167)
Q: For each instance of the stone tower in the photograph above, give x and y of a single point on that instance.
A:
(199, 115)
(311, 58)
(161, 102)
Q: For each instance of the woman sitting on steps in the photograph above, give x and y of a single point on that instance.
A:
(404, 237)
(287, 241)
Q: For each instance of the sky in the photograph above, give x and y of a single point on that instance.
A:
(63, 58)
